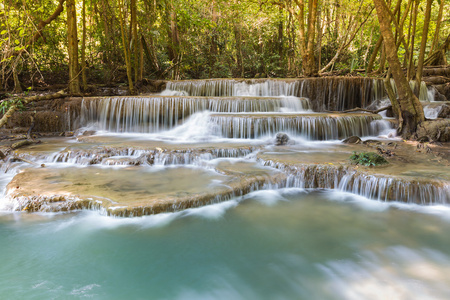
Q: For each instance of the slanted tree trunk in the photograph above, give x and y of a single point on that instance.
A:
(410, 108)
(382, 59)
(373, 57)
(438, 58)
(74, 79)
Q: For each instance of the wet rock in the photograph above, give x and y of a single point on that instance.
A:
(445, 112)
(89, 132)
(435, 130)
(352, 140)
(372, 142)
(281, 139)
(383, 151)
(389, 113)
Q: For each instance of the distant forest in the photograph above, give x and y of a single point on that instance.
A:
(124, 41)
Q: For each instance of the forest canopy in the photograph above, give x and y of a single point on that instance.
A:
(125, 41)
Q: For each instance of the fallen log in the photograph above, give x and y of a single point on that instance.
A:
(27, 100)
(21, 144)
(356, 109)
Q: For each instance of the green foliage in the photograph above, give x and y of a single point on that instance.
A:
(6, 104)
(220, 38)
(368, 159)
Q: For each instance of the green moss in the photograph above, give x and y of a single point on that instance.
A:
(368, 159)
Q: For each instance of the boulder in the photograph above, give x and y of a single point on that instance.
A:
(445, 112)
(281, 139)
(436, 130)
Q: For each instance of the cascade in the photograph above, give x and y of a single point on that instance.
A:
(335, 93)
(382, 188)
(210, 125)
(315, 127)
(152, 114)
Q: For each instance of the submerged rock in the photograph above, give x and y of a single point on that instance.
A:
(352, 140)
(281, 139)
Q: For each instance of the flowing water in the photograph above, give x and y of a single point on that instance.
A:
(237, 217)
(274, 244)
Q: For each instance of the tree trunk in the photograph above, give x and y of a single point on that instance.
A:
(150, 54)
(126, 50)
(17, 85)
(438, 27)
(213, 39)
(410, 108)
(280, 37)
(74, 79)
(423, 45)
(374, 55)
(309, 63)
(141, 60)
(382, 59)
(134, 47)
(173, 38)
(237, 37)
(410, 69)
(83, 49)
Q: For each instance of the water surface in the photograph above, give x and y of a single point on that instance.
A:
(284, 244)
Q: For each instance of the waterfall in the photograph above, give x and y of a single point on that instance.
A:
(154, 114)
(318, 127)
(382, 188)
(334, 93)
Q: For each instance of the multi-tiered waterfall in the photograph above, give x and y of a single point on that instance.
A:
(198, 123)
(242, 109)
(220, 211)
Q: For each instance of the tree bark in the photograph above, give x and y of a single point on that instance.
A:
(410, 108)
(74, 81)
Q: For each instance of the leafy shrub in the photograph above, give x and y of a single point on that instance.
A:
(368, 159)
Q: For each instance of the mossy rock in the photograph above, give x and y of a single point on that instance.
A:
(368, 159)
